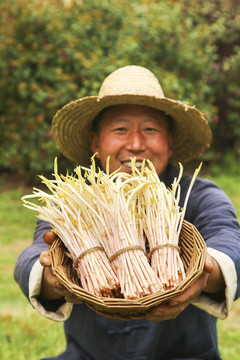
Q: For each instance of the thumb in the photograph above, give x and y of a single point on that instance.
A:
(209, 264)
(45, 259)
(49, 237)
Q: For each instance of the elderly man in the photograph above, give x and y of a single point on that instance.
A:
(131, 118)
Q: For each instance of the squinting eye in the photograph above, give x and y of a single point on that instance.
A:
(120, 129)
(151, 129)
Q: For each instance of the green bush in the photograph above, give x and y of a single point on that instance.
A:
(53, 52)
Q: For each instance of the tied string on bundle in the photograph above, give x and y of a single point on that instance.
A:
(75, 261)
(161, 246)
(128, 248)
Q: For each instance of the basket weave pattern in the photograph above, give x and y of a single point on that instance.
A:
(192, 252)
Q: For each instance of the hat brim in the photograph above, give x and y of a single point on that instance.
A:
(72, 125)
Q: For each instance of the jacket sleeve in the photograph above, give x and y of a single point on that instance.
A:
(29, 256)
(213, 214)
(28, 274)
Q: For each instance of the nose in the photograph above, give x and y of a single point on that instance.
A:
(136, 142)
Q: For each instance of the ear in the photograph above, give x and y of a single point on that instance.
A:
(94, 143)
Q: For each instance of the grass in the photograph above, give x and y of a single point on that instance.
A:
(22, 330)
(228, 334)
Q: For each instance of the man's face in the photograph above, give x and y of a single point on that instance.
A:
(128, 131)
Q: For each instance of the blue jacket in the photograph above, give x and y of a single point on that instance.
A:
(192, 335)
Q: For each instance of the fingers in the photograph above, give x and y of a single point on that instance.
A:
(49, 237)
(188, 295)
(176, 305)
(59, 288)
(209, 264)
(45, 259)
(51, 288)
(69, 297)
(165, 312)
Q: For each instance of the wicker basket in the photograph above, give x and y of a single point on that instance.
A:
(192, 251)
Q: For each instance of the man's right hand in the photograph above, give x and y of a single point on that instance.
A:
(51, 288)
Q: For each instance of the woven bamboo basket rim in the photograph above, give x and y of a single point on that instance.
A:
(192, 251)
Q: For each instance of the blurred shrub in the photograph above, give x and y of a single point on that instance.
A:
(52, 52)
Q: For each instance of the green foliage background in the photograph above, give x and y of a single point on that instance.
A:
(55, 51)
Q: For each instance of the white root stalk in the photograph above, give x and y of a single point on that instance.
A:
(67, 211)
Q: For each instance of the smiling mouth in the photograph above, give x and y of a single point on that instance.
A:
(138, 164)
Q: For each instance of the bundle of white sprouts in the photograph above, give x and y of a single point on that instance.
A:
(161, 221)
(103, 220)
(67, 208)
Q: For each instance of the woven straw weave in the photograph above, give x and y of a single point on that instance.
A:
(192, 251)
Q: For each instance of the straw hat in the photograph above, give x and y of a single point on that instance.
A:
(129, 85)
